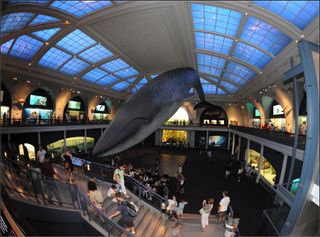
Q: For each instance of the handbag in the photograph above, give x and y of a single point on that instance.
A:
(201, 211)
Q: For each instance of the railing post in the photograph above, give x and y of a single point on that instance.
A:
(283, 169)
(247, 153)
(260, 163)
(233, 142)
(239, 148)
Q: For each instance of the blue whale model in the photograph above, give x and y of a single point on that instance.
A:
(146, 111)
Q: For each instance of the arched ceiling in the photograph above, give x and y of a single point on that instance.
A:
(118, 46)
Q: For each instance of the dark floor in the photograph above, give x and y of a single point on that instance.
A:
(206, 179)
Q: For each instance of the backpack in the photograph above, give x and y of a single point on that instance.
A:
(132, 209)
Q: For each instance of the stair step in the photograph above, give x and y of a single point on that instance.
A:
(144, 223)
(157, 227)
(151, 227)
(160, 230)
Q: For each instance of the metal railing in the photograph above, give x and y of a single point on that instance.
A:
(105, 173)
(26, 182)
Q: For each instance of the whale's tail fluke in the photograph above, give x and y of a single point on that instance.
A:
(203, 104)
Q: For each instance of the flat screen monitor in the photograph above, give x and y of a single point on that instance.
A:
(277, 110)
(221, 122)
(256, 113)
(45, 113)
(74, 104)
(100, 108)
(217, 141)
(38, 100)
(77, 161)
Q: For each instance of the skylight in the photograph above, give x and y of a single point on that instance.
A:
(6, 46)
(141, 83)
(235, 78)
(209, 88)
(215, 19)
(74, 66)
(214, 43)
(42, 2)
(220, 91)
(94, 75)
(14, 21)
(46, 34)
(299, 13)
(107, 80)
(41, 19)
(230, 87)
(76, 41)
(25, 47)
(54, 58)
(96, 54)
(127, 72)
(79, 8)
(115, 65)
(213, 79)
(211, 61)
(264, 36)
(121, 86)
(240, 70)
(251, 55)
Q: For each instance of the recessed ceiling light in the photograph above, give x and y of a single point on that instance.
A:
(67, 22)
(47, 43)
(15, 79)
(296, 41)
(28, 81)
(302, 36)
(29, 64)
(246, 13)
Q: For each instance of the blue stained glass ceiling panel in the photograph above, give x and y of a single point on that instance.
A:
(74, 66)
(107, 80)
(215, 19)
(235, 78)
(242, 71)
(115, 65)
(211, 61)
(127, 72)
(94, 75)
(46, 34)
(6, 46)
(54, 58)
(76, 41)
(251, 55)
(41, 19)
(209, 88)
(80, 8)
(299, 13)
(212, 42)
(120, 86)
(230, 87)
(210, 70)
(96, 54)
(25, 47)
(264, 36)
(14, 21)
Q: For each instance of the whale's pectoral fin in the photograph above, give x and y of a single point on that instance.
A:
(134, 123)
(203, 103)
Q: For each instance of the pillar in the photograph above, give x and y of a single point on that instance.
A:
(239, 148)
(283, 169)
(260, 163)
(247, 153)
(207, 139)
(233, 142)
(229, 140)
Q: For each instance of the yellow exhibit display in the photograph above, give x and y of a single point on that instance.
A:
(267, 170)
(28, 149)
(174, 136)
(71, 143)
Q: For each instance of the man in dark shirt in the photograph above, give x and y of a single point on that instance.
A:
(50, 175)
(126, 220)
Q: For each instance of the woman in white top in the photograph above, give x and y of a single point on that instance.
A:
(223, 206)
(205, 212)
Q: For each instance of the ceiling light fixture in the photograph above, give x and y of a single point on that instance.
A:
(14, 78)
(28, 81)
(246, 13)
(29, 64)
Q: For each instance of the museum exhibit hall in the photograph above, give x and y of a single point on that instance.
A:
(159, 118)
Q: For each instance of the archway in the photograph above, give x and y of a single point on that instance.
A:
(277, 116)
(6, 103)
(214, 116)
(101, 112)
(181, 117)
(74, 110)
(38, 107)
(27, 151)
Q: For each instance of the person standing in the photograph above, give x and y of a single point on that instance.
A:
(223, 206)
(41, 154)
(205, 212)
(68, 165)
(118, 177)
(179, 209)
(303, 128)
(126, 220)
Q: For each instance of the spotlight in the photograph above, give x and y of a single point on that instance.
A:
(28, 81)
(14, 78)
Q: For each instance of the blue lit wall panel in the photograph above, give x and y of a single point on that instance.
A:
(76, 41)
(127, 72)
(14, 21)
(211, 61)
(46, 34)
(107, 80)
(94, 75)
(41, 19)
(74, 66)
(96, 54)
(251, 55)
(80, 8)
(264, 36)
(115, 65)
(299, 13)
(212, 42)
(215, 19)
(54, 58)
(6, 46)
(25, 47)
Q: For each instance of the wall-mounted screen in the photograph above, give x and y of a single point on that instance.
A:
(38, 100)
(74, 104)
(277, 110)
(45, 113)
(217, 141)
(100, 108)
(221, 122)
(256, 113)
